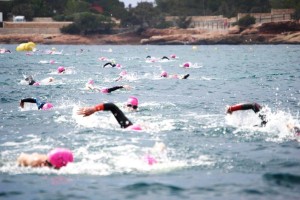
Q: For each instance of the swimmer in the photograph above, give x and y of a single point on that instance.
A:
(121, 75)
(4, 51)
(117, 113)
(256, 109)
(40, 104)
(248, 106)
(90, 85)
(111, 64)
(56, 159)
(61, 69)
(30, 80)
(165, 57)
(165, 75)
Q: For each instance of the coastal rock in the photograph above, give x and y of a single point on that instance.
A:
(285, 32)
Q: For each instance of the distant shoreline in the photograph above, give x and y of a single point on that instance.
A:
(287, 32)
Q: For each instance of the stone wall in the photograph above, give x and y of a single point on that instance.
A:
(35, 24)
(41, 26)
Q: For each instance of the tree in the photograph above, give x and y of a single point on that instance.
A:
(89, 23)
(23, 9)
(145, 15)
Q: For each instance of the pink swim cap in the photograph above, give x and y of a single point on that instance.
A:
(104, 90)
(187, 64)
(47, 106)
(61, 69)
(123, 73)
(164, 74)
(133, 101)
(52, 61)
(134, 127)
(36, 84)
(150, 159)
(173, 56)
(60, 157)
(118, 65)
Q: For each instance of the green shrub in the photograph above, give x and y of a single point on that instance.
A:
(88, 23)
(70, 29)
(246, 21)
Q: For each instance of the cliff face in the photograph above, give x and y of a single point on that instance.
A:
(287, 32)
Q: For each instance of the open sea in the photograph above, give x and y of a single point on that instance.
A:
(207, 154)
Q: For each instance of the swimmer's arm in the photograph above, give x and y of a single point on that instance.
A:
(109, 63)
(27, 100)
(119, 78)
(186, 76)
(247, 106)
(127, 87)
(87, 111)
(32, 160)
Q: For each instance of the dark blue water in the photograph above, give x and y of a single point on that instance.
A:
(208, 154)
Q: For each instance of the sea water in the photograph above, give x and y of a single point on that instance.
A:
(207, 154)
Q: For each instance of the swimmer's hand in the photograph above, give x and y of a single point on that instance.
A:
(127, 87)
(22, 104)
(86, 111)
(228, 110)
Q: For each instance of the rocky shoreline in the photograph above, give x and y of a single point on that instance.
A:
(287, 32)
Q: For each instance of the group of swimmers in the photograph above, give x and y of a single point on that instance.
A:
(60, 157)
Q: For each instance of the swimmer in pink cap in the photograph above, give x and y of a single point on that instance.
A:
(187, 65)
(122, 75)
(56, 158)
(42, 105)
(132, 103)
(90, 85)
(61, 69)
(164, 74)
(115, 110)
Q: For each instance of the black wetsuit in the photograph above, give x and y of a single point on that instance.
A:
(109, 90)
(251, 106)
(185, 76)
(37, 101)
(30, 80)
(118, 114)
(109, 63)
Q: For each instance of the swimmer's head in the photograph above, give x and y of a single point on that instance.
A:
(118, 65)
(60, 157)
(36, 84)
(164, 74)
(134, 127)
(187, 64)
(173, 56)
(150, 159)
(132, 102)
(60, 69)
(123, 73)
(47, 106)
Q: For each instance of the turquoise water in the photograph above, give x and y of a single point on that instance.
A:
(208, 154)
